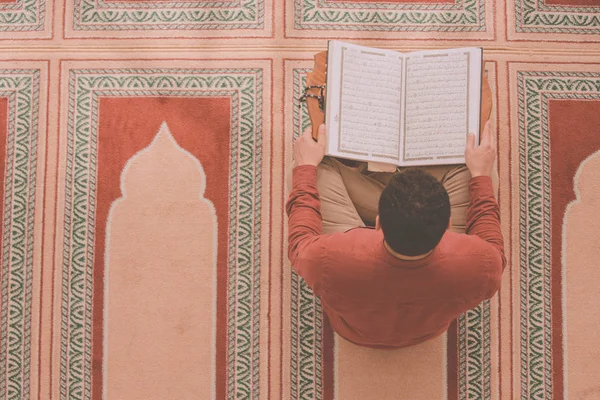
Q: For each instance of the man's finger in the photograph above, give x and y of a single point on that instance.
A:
(307, 133)
(486, 136)
(470, 141)
(322, 134)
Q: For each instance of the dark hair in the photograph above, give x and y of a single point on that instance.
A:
(414, 211)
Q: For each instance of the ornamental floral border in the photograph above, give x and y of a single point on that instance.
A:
(535, 16)
(306, 331)
(306, 340)
(24, 16)
(174, 5)
(535, 89)
(17, 5)
(464, 16)
(542, 6)
(474, 353)
(456, 5)
(100, 15)
(22, 88)
(86, 86)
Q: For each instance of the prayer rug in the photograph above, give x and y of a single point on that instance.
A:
(145, 148)
(160, 204)
(556, 113)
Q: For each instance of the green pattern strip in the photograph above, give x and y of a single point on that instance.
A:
(474, 353)
(533, 16)
(90, 15)
(22, 89)
(27, 17)
(456, 5)
(390, 17)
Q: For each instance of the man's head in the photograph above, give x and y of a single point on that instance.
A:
(414, 212)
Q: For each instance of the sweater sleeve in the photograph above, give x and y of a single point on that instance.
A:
(483, 220)
(305, 227)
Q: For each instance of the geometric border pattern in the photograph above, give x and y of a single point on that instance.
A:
(100, 15)
(474, 337)
(535, 89)
(22, 88)
(536, 16)
(86, 86)
(474, 353)
(23, 16)
(461, 16)
(306, 360)
(306, 312)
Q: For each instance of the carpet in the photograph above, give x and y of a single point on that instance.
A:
(144, 151)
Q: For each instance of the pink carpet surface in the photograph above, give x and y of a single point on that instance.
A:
(145, 150)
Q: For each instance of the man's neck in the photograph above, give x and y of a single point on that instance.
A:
(403, 257)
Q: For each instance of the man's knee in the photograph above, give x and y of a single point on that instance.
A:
(328, 163)
(328, 174)
(456, 183)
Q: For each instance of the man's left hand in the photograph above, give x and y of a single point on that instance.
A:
(309, 152)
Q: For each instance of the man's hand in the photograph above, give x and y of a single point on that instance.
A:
(480, 160)
(309, 152)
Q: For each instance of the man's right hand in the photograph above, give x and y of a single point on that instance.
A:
(309, 152)
(480, 159)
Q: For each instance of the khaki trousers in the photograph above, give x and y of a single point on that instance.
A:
(350, 195)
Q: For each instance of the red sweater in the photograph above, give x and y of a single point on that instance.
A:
(376, 300)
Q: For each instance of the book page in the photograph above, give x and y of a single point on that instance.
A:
(366, 116)
(442, 98)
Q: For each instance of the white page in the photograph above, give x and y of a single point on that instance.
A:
(363, 102)
(442, 97)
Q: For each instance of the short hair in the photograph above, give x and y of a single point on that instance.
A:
(414, 211)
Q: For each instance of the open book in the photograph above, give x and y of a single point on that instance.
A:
(404, 109)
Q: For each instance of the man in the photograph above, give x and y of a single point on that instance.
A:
(403, 281)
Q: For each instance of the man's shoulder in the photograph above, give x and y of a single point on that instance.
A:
(351, 242)
(461, 243)
(353, 236)
(469, 250)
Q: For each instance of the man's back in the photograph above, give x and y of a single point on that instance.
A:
(375, 299)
